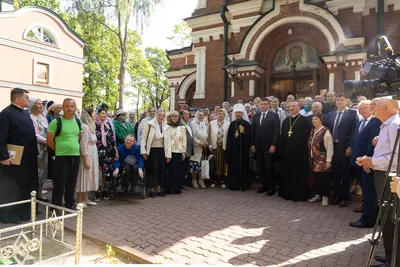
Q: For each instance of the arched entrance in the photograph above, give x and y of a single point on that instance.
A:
(295, 70)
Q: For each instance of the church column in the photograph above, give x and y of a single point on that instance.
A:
(200, 73)
(232, 89)
(331, 81)
(252, 84)
(172, 99)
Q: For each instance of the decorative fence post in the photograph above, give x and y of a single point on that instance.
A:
(33, 209)
(79, 233)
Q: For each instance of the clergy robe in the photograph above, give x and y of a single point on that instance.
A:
(237, 156)
(294, 153)
(17, 181)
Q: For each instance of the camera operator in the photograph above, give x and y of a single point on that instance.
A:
(386, 111)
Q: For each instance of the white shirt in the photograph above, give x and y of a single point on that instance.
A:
(305, 113)
(365, 123)
(261, 117)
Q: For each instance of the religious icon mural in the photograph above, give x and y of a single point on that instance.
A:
(301, 55)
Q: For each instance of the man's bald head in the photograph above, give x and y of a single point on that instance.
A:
(385, 108)
(317, 108)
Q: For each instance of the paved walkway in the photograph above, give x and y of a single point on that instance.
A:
(218, 226)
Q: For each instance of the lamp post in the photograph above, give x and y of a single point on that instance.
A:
(341, 55)
(232, 69)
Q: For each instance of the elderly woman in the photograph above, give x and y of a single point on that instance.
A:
(276, 109)
(283, 105)
(200, 145)
(122, 127)
(247, 106)
(218, 132)
(320, 146)
(40, 123)
(88, 176)
(53, 112)
(129, 162)
(107, 151)
(175, 153)
(253, 111)
(307, 110)
(152, 150)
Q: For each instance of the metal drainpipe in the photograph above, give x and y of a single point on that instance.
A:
(381, 13)
(225, 56)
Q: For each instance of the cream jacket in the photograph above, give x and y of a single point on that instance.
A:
(149, 131)
(214, 133)
(174, 141)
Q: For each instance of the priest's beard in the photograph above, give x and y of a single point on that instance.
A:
(238, 118)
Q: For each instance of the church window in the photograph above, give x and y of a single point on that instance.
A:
(41, 35)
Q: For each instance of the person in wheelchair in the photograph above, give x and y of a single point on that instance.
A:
(129, 165)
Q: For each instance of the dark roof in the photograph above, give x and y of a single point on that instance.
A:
(53, 13)
(179, 50)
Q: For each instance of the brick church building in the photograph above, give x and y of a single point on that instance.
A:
(281, 47)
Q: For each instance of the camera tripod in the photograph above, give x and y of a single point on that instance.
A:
(387, 200)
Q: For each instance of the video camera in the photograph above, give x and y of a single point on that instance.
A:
(382, 65)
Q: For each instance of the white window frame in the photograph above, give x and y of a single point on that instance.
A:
(48, 30)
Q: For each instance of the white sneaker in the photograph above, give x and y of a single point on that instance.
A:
(194, 183)
(201, 183)
(325, 201)
(212, 185)
(353, 189)
(223, 185)
(359, 191)
(90, 203)
(315, 199)
(44, 192)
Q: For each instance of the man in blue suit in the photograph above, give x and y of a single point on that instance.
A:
(361, 143)
(341, 124)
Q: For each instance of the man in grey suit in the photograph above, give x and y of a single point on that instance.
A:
(185, 115)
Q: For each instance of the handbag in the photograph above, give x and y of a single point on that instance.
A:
(205, 167)
(130, 160)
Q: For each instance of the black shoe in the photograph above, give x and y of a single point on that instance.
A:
(271, 192)
(161, 194)
(336, 201)
(360, 224)
(262, 189)
(152, 194)
(380, 259)
(178, 192)
(379, 265)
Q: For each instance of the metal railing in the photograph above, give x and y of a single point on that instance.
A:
(24, 242)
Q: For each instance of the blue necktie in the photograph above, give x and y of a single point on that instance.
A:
(363, 125)
(335, 131)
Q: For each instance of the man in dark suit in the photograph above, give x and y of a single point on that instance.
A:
(185, 115)
(361, 144)
(341, 124)
(265, 137)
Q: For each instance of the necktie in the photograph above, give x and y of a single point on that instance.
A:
(362, 125)
(262, 120)
(335, 130)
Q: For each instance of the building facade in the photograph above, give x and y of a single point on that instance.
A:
(39, 53)
(281, 46)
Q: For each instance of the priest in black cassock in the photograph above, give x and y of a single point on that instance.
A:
(294, 153)
(237, 149)
(17, 181)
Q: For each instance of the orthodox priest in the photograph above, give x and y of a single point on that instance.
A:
(17, 181)
(237, 149)
(294, 153)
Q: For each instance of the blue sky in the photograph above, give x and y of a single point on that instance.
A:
(162, 23)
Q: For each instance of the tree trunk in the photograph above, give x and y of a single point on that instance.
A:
(121, 85)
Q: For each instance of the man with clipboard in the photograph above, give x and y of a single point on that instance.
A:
(17, 181)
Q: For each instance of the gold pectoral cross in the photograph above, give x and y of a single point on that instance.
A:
(290, 132)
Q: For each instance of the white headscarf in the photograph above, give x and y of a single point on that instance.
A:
(196, 119)
(240, 108)
(159, 132)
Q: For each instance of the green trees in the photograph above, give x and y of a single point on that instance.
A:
(181, 35)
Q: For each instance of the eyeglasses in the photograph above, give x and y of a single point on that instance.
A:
(174, 116)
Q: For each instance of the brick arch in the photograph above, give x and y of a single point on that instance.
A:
(297, 12)
(279, 38)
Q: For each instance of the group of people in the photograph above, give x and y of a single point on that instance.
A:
(307, 147)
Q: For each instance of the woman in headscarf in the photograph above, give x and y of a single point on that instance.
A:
(152, 150)
(107, 151)
(122, 127)
(88, 176)
(175, 152)
(306, 111)
(53, 112)
(278, 110)
(40, 123)
(200, 145)
(247, 106)
(218, 132)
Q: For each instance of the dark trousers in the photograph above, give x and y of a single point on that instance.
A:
(264, 167)
(369, 197)
(388, 228)
(340, 174)
(187, 176)
(130, 175)
(65, 180)
(322, 183)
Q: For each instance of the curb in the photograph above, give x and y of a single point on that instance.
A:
(125, 251)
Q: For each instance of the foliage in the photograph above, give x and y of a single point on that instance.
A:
(54, 5)
(149, 80)
(111, 254)
(181, 35)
